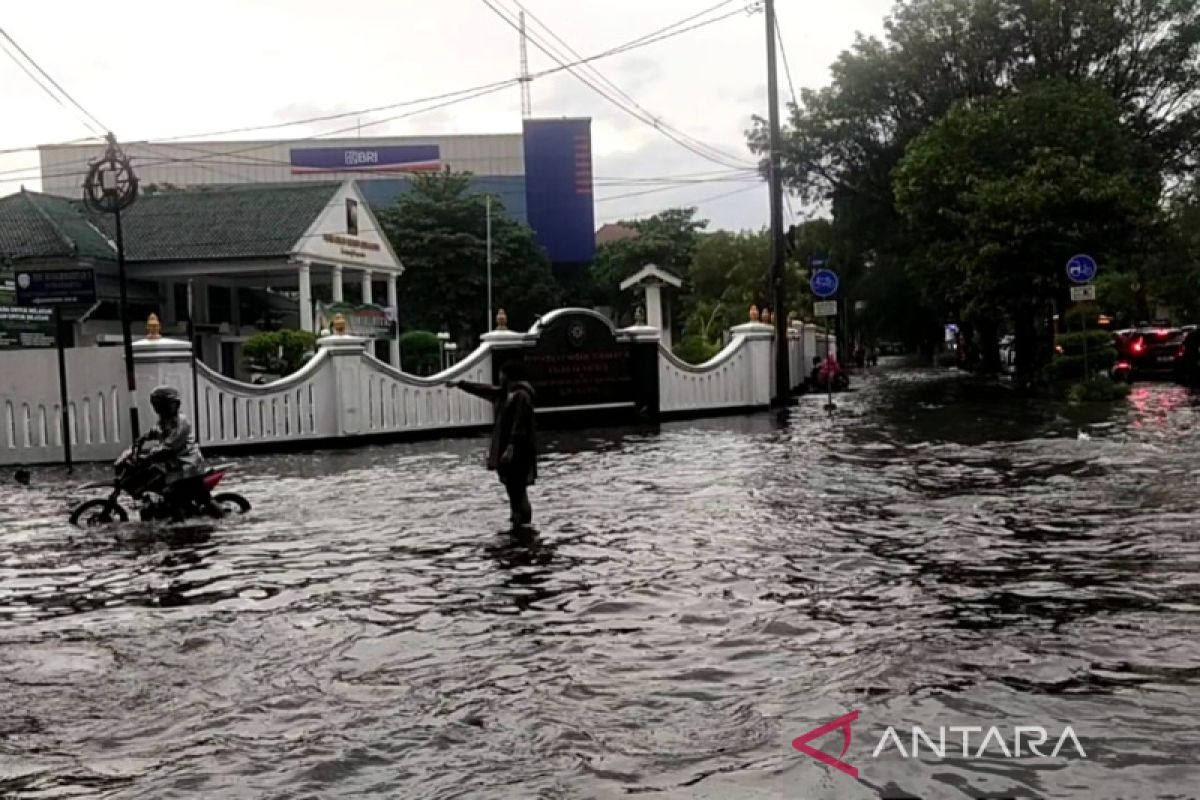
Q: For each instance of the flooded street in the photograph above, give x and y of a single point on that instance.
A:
(693, 599)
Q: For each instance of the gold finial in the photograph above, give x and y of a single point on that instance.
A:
(153, 328)
(339, 324)
(501, 320)
(754, 313)
(639, 316)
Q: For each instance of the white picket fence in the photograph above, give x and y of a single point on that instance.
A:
(341, 392)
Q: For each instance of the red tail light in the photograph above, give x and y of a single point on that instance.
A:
(1162, 334)
(1123, 366)
(1138, 346)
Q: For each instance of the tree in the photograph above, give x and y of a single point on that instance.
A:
(668, 239)
(279, 352)
(1002, 192)
(439, 231)
(843, 142)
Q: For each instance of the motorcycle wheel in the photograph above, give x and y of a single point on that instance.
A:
(96, 513)
(232, 502)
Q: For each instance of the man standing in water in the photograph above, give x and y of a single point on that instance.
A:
(513, 452)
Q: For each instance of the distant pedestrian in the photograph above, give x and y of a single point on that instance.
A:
(513, 451)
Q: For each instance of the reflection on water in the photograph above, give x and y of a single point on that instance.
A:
(690, 599)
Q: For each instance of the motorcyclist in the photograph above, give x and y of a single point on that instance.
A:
(177, 454)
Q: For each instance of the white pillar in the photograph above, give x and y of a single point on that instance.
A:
(654, 315)
(367, 297)
(306, 310)
(337, 283)
(393, 301)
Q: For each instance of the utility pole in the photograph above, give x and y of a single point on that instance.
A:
(775, 179)
(490, 319)
(526, 99)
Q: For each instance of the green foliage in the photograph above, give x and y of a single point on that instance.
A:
(420, 353)
(696, 349)
(1097, 390)
(279, 352)
(844, 142)
(439, 231)
(668, 239)
(1068, 365)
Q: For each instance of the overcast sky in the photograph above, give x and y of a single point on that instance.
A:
(221, 64)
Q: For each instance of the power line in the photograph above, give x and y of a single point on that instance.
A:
(636, 112)
(603, 79)
(787, 70)
(709, 199)
(55, 84)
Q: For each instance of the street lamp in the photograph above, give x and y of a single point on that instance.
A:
(111, 186)
(451, 349)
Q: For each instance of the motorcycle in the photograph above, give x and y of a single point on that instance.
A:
(144, 482)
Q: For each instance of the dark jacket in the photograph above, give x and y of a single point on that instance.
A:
(514, 426)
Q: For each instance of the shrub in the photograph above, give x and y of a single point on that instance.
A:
(1097, 390)
(696, 349)
(420, 353)
(279, 352)
(1068, 365)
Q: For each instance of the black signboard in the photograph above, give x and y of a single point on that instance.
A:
(56, 287)
(22, 327)
(578, 362)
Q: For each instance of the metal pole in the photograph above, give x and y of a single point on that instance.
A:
(130, 379)
(490, 320)
(62, 386)
(775, 178)
(1083, 329)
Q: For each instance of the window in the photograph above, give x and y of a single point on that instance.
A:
(351, 216)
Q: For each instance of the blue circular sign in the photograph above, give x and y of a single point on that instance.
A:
(1082, 269)
(824, 283)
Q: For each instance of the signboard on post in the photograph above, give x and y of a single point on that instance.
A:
(825, 308)
(56, 287)
(1083, 294)
(1082, 269)
(824, 283)
(22, 327)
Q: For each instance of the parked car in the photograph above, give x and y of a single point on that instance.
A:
(1189, 356)
(1150, 351)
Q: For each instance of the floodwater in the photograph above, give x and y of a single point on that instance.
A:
(693, 599)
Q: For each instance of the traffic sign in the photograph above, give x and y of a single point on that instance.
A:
(825, 308)
(56, 287)
(1082, 269)
(1083, 294)
(824, 283)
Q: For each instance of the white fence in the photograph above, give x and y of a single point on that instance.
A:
(341, 392)
(31, 412)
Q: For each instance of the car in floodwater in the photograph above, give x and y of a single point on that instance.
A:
(1150, 350)
(1188, 370)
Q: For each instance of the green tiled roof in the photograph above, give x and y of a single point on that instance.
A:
(41, 226)
(253, 221)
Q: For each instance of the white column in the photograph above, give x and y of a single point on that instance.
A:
(366, 292)
(337, 283)
(393, 301)
(654, 315)
(306, 310)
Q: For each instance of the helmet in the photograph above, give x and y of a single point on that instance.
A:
(164, 398)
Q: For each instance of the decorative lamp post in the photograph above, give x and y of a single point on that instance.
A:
(451, 350)
(110, 187)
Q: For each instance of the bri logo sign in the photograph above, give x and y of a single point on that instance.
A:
(1027, 741)
(391, 158)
